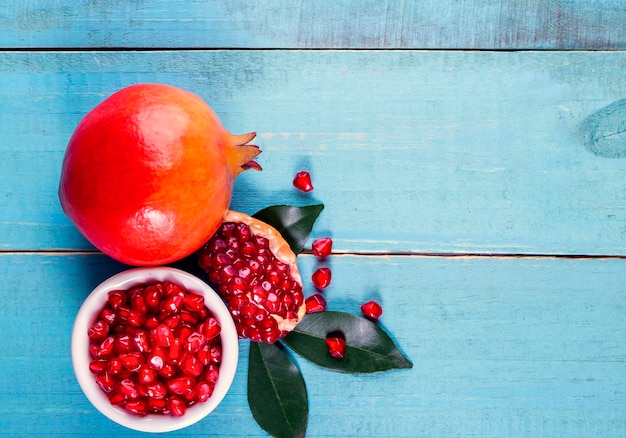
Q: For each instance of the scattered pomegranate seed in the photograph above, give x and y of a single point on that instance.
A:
(322, 247)
(321, 278)
(315, 303)
(155, 349)
(302, 181)
(372, 309)
(336, 347)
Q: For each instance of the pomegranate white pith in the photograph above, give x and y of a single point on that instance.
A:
(257, 275)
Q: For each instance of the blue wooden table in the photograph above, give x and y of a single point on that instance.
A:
(472, 160)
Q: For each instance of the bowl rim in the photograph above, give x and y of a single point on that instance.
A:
(80, 348)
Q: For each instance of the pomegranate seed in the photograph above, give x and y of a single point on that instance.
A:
(216, 353)
(98, 366)
(181, 385)
(137, 407)
(140, 339)
(372, 310)
(176, 351)
(98, 331)
(188, 317)
(171, 304)
(156, 359)
(173, 289)
(210, 328)
(176, 406)
(138, 303)
(146, 375)
(168, 371)
(161, 336)
(204, 354)
(107, 347)
(156, 390)
(114, 366)
(123, 313)
(336, 347)
(322, 247)
(151, 322)
(123, 343)
(172, 321)
(127, 388)
(105, 381)
(211, 373)
(152, 297)
(302, 181)
(193, 302)
(194, 342)
(117, 298)
(131, 361)
(204, 390)
(108, 316)
(183, 331)
(116, 398)
(315, 303)
(157, 405)
(191, 365)
(321, 278)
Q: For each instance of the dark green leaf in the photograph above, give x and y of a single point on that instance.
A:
(276, 392)
(293, 223)
(369, 349)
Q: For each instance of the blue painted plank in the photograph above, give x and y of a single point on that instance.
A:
(411, 151)
(475, 24)
(501, 347)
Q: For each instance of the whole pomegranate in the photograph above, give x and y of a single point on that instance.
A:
(148, 174)
(256, 273)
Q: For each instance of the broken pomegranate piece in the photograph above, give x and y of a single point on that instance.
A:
(256, 273)
(155, 349)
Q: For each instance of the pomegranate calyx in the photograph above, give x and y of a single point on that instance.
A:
(244, 153)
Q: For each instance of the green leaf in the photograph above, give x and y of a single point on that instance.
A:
(293, 223)
(276, 391)
(369, 349)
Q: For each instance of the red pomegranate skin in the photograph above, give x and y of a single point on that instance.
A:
(149, 172)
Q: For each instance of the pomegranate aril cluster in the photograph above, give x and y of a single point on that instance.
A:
(257, 286)
(155, 349)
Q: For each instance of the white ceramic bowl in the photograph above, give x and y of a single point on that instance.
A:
(81, 357)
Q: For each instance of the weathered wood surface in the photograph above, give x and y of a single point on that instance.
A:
(498, 128)
(501, 347)
(390, 24)
(411, 151)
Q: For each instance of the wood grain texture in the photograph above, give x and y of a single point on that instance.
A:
(501, 347)
(411, 151)
(407, 24)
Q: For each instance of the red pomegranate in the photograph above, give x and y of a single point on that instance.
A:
(148, 174)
